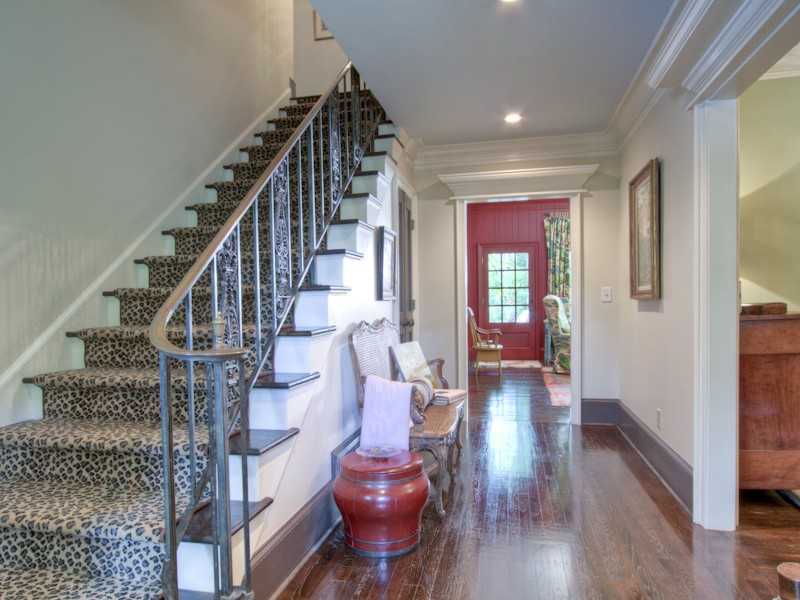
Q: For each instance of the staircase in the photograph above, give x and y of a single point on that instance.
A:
(90, 508)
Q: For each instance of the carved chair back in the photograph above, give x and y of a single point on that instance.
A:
(370, 343)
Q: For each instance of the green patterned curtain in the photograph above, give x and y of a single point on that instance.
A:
(556, 234)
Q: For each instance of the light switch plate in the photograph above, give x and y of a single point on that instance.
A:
(606, 294)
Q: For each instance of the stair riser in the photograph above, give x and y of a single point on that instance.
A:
(168, 273)
(141, 311)
(125, 559)
(135, 468)
(118, 403)
(137, 352)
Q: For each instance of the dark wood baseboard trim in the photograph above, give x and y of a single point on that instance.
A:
(670, 467)
(599, 412)
(277, 561)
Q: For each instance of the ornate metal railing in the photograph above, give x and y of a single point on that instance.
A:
(285, 215)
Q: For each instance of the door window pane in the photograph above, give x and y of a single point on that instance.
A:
(508, 288)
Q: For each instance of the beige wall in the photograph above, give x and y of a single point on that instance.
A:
(316, 62)
(110, 111)
(769, 187)
(656, 336)
(437, 317)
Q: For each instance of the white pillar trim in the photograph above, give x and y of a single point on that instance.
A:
(716, 327)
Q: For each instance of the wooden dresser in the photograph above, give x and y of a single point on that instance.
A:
(769, 401)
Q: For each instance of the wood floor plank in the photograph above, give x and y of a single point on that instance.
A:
(543, 510)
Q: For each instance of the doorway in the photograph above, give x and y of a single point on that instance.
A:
(507, 271)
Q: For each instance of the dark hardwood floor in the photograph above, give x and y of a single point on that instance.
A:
(543, 510)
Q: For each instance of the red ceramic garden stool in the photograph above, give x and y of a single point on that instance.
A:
(381, 501)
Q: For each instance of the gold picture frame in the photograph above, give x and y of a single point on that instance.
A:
(644, 204)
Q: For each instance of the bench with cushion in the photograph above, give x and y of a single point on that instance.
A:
(436, 428)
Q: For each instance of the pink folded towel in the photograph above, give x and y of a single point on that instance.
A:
(385, 420)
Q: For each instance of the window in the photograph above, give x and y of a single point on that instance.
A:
(508, 287)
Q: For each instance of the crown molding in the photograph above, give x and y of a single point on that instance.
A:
(558, 147)
(688, 21)
(585, 170)
(744, 30)
(517, 183)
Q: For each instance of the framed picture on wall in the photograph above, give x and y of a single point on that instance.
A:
(644, 199)
(387, 264)
(320, 29)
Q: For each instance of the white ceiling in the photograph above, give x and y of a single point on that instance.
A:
(449, 70)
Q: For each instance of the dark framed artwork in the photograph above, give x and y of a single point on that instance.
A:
(321, 31)
(387, 264)
(644, 199)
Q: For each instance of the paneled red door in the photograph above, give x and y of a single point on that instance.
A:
(506, 296)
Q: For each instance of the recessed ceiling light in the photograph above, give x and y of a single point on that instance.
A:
(513, 118)
(508, 1)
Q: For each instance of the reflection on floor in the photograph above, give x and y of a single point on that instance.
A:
(543, 510)
(558, 386)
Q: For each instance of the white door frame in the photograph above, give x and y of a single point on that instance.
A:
(576, 239)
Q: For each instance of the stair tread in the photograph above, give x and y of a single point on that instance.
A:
(337, 251)
(110, 512)
(59, 584)
(262, 440)
(201, 529)
(360, 222)
(105, 436)
(291, 331)
(284, 380)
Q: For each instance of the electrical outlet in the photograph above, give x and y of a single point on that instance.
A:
(658, 418)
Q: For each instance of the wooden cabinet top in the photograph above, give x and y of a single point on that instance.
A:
(769, 334)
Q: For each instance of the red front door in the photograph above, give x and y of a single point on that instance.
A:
(507, 291)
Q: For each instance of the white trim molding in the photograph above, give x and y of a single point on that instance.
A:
(716, 330)
(575, 146)
(752, 25)
(517, 183)
(677, 37)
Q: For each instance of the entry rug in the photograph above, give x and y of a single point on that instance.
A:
(522, 364)
(558, 387)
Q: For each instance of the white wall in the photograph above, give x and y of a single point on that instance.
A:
(601, 334)
(769, 187)
(316, 61)
(656, 336)
(110, 111)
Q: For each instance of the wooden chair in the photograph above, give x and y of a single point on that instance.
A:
(437, 429)
(485, 343)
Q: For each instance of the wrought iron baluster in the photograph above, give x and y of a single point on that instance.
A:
(167, 441)
(244, 419)
(312, 204)
(321, 169)
(190, 408)
(213, 459)
(238, 288)
(257, 281)
(334, 150)
(301, 244)
(355, 114)
(222, 499)
(273, 265)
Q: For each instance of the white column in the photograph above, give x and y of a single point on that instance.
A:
(716, 322)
